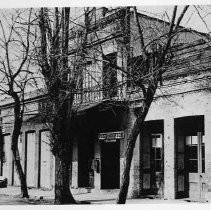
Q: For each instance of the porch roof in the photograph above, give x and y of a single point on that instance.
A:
(84, 108)
(100, 106)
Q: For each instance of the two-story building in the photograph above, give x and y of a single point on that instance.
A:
(172, 157)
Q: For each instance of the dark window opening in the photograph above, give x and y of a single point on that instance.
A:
(109, 75)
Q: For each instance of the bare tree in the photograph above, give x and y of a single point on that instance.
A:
(62, 74)
(15, 73)
(149, 73)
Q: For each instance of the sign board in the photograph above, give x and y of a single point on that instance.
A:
(111, 136)
(3, 130)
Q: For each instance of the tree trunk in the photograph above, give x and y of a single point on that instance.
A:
(18, 115)
(63, 157)
(62, 181)
(137, 127)
(128, 159)
(22, 177)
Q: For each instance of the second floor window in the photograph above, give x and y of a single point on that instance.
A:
(109, 75)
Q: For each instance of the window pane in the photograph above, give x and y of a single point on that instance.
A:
(159, 142)
(193, 152)
(203, 151)
(180, 144)
(158, 153)
(146, 161)
(158, 165)
(194, 140)
(180, 163)
(154, 142)
(181, 183)
(153, 153)
(203, 166)
(193, 166)
(188, 140)
(146, 181)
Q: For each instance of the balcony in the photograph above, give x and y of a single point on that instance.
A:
(97, 94)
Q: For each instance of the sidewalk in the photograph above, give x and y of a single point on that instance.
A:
(94, 198)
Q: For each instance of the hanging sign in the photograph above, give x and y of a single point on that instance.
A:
(111, 136)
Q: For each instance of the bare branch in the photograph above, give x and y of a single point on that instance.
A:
(140, 33)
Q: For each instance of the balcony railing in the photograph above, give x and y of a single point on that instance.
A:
(96, 95)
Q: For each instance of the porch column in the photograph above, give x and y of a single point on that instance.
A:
(169, 159)
(75, 164)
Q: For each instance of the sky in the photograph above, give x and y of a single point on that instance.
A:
(157, 8)
(197, 17)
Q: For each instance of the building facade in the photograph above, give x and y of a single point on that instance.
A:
(172, 156)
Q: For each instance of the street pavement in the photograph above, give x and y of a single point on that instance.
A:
(10, 196)
(7, 200)
(11, 200)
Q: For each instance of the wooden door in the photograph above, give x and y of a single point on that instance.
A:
(7, 162)
(196, 166)
(190, 167)
(157, 164)
(181, 165)
(45, 161)
(30, 159)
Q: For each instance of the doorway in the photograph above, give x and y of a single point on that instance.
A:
(85, 161)
(190, 156)
(110, 165)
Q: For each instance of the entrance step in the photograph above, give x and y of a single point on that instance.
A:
(152, 196)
